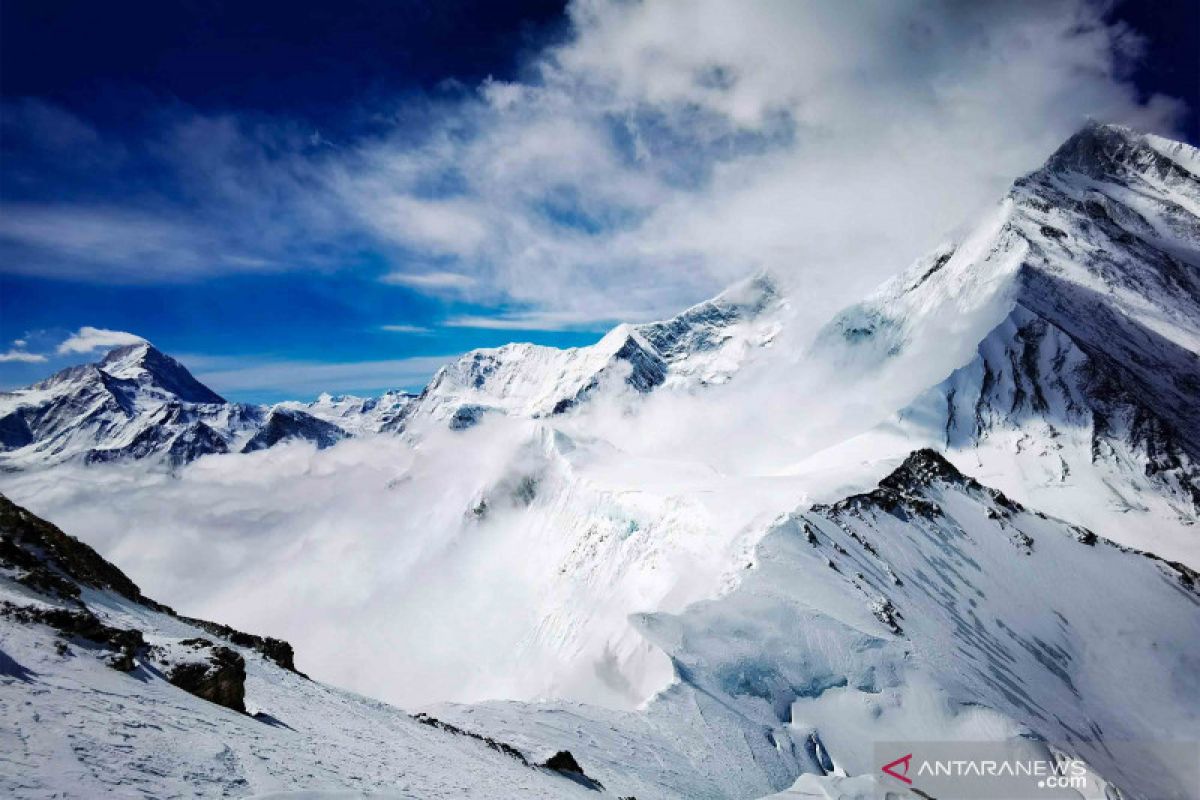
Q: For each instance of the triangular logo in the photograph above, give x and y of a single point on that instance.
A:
(900, 776)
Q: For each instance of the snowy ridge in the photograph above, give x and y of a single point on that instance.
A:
(705, 344)
(138, 403)
(356, 415)
(931, 608)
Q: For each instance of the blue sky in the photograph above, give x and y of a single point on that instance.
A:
(297, 197)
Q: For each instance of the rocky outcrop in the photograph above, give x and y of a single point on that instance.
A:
(58, 567)
(209, 671)
(289, 425)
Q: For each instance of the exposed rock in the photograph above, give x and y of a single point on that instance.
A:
(565, 764)
(82, 625)
(284, 424)
(57, 565)
(209, 671)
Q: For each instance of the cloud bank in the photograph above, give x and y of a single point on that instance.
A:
(659, 152)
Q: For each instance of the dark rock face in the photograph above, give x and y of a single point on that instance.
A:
(466, 416)
(14, 432)
(219, 675)
(647, 370)
(563, 761)
(57, 561)
(290, 424)
(276, 650)
(198, 440)
(565, 764)
(500, 747)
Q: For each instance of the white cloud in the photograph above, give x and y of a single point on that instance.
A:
(18, 355)
(661, 151)
(670, 148)
(543, 320)
(417, 329)
(430, 281)
(88, 339)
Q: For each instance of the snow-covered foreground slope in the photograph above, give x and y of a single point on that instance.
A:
(79, 722)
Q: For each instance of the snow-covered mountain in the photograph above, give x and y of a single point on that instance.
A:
(138, 403)
(759, 553)
(356, 415)
(931, 608)
(1076, 309)
(704, 345)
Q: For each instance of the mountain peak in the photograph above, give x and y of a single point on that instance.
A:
(1101, 150)
(143, 363)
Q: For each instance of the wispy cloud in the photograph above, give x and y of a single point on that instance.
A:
(21, 356)
(649, 158)
(88, 339)
(543, 320)
(432, 281)
(416, 329)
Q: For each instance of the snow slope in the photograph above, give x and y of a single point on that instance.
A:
(75, 725)
(929, 609)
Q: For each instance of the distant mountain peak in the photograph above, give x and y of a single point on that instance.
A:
(144, 363)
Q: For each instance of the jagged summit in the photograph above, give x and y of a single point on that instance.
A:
(147, 365)
(1105, 151)
(139, 403)
(705, 344)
